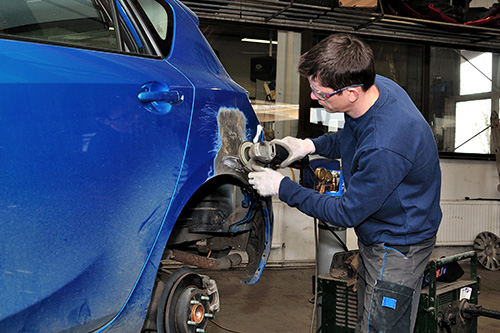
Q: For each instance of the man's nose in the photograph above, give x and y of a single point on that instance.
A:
(313, 96)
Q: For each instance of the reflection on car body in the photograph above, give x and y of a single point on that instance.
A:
(119, 131)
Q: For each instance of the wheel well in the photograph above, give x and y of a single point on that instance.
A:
(219, 213)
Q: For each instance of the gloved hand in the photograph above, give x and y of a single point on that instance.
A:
(265, 181)
(297, 149)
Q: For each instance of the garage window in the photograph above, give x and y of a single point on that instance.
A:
(464, 92)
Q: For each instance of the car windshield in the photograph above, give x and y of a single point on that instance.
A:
(78, 22)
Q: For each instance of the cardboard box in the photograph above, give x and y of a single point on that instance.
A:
(358, 3)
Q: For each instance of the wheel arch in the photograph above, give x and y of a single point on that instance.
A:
(228, 215)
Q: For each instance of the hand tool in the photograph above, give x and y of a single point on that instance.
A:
(267, 154)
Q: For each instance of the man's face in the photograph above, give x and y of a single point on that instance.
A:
(328, 98)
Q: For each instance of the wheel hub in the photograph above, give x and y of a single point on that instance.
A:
(191, 310)
(197, 314)
(189, 301)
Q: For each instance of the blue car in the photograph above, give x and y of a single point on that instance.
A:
(119, 137)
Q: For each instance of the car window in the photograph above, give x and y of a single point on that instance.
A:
(158, 16)
(86, 23)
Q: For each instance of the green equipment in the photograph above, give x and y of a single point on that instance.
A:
(445, 306)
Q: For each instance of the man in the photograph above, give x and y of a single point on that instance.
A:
(392, 178)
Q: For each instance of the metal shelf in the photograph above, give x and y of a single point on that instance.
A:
(363, 21)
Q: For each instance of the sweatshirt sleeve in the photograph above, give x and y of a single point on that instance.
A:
(378, 174)
(328, 145)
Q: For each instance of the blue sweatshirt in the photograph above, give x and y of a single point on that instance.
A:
(391, 171)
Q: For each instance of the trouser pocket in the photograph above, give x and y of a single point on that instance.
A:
(390, 308)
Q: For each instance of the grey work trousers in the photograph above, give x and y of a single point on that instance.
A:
(389, 285)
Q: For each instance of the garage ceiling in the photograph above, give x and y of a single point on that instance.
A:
(326, 15)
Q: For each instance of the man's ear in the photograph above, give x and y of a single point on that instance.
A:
(353, 94)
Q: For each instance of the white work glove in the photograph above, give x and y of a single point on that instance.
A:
(265, 181)
(298, 149)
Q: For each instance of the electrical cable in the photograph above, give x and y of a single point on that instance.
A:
(293, 174)
(315, 305)
(329, 227)
(224, 328)
(316, 249)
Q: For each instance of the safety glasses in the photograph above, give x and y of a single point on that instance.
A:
(324, 96)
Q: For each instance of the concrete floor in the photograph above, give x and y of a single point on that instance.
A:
(280, 301)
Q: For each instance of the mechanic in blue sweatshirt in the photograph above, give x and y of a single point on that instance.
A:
(392, 177)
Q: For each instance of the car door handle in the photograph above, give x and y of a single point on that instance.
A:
(158, 98)
(172, 97)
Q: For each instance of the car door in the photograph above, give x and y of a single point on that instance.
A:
(93, 130)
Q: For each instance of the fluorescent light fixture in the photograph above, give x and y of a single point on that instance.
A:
(262, 41)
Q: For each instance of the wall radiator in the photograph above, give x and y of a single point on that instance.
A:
(463, 220)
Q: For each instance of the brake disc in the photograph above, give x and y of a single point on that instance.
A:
(187, 303)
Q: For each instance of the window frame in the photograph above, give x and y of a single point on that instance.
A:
(140, 29)
(162, 46)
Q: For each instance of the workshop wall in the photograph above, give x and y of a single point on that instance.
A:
(469, 178)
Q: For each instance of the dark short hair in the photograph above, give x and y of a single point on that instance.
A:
(338, 61)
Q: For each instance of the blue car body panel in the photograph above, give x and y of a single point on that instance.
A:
(92, 179)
